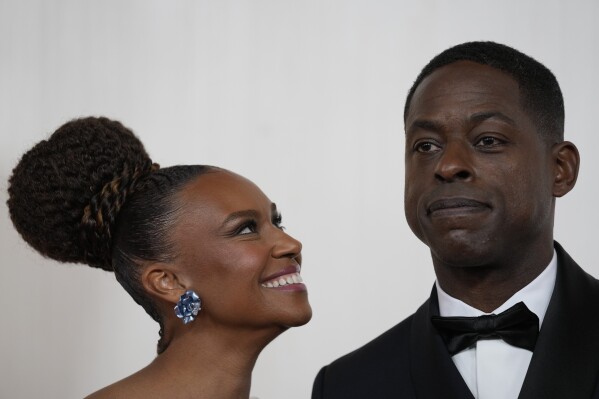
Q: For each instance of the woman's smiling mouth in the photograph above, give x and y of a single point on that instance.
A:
(284, 280)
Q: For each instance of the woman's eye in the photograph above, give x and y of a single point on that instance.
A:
(427, 147)
(277, 220)
(247, 228)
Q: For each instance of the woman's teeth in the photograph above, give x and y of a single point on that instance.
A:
(293, 278)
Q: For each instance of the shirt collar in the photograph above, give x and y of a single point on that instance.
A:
(535, 295)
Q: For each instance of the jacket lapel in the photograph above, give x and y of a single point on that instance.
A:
(433, 372)
(565, 363)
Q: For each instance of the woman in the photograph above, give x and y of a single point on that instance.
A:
(201, 249)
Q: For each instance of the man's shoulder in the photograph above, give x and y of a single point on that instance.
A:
(576, 282)
(385, 347)
(376, 369)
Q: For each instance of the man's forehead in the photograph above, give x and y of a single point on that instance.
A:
(463, 72)
(464, 83)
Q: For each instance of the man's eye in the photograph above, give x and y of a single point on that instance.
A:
(488, 141)
(427, 146)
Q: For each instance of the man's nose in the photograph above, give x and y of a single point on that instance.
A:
(455, 163)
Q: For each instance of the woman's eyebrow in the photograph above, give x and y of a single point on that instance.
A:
(248, 213)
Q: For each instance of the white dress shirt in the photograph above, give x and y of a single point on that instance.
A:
(493, 369)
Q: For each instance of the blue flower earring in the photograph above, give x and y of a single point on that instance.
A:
(188, 307)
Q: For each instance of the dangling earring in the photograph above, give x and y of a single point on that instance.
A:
(188, 307)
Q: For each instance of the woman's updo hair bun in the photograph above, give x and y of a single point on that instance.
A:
(65, 193)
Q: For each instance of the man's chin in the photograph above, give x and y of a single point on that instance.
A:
(462, 253)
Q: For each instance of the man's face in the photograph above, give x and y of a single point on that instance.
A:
(478, 175)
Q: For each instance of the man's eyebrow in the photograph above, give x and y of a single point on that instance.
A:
(425, 124)
(432, 126)
(248, 213)
(482, 116)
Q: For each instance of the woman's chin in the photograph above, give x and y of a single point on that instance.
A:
(300, 318)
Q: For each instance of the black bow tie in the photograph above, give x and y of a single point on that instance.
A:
(517, 326)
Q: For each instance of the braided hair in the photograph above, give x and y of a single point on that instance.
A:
(91, 194)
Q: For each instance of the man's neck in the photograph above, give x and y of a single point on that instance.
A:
(487, 287)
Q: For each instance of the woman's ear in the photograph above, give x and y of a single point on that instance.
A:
(566, 164)
(161, 281)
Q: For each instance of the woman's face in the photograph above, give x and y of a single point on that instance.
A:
(234, 253)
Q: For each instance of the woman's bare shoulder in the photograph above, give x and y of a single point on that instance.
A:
(135, 386)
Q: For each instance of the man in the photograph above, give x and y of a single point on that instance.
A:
(485, 159)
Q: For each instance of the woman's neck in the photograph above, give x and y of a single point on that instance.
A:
(207, 364)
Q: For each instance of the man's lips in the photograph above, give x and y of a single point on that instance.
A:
(455, 205)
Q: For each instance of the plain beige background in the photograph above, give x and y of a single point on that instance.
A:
(304, 97)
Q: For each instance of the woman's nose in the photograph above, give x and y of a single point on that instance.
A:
(286, 246)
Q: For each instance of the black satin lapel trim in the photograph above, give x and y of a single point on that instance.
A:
(434, 374)
(565, 363)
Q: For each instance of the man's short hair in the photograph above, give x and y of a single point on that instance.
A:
(540, 93)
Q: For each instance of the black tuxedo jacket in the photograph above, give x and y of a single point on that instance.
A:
(411, 361)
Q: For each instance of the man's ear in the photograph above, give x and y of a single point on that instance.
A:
(566, 164)
(161, 281)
